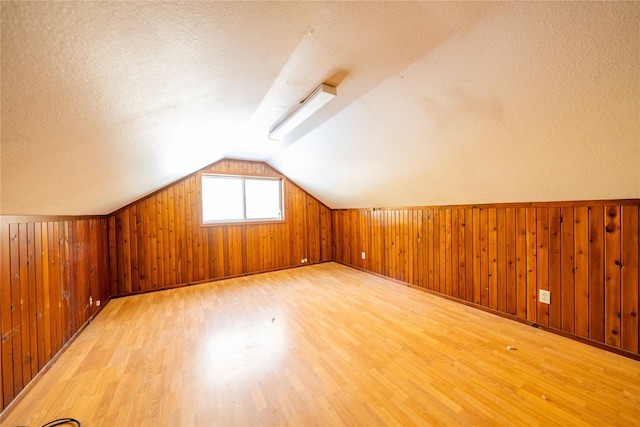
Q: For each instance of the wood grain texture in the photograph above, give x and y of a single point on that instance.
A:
(586, 255)
(630, 278)
(49, 270)
(158, 242)
(324, 345)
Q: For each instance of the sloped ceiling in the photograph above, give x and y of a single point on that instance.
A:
(438, 102)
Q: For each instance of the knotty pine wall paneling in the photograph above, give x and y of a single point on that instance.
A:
(499, 257)
(49, 268)
(158, 242)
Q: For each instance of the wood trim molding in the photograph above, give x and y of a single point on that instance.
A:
(620, 202)
(16, 219)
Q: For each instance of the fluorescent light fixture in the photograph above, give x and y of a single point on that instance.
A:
(312, 103)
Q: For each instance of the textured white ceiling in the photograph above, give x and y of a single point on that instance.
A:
(438, 102)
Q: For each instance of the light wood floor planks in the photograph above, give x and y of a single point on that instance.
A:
(324, 345)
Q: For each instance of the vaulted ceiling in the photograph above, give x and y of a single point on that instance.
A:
(438, 102)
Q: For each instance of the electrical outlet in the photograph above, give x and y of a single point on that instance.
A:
(97, 303)
(303, 261)
(364, 255)
(545, 296)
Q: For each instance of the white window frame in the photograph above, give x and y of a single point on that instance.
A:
(244, 220)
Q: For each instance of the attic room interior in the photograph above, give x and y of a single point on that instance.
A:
(450, 237)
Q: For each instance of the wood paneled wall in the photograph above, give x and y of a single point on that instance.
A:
(48, 270)
(158, 242)
(499, 257)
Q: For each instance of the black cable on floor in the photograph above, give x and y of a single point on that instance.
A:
(63, 421)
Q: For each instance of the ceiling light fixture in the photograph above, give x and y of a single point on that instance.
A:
(312, 103)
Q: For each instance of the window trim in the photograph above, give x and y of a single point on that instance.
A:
(204, 223)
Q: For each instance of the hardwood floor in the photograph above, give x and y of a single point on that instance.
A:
(324, 345)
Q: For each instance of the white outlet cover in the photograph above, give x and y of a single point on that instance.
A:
(545, 296)
(364, 256)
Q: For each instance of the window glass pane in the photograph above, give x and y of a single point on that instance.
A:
(263, 198)
(221, 198)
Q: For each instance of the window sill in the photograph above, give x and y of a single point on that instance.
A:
(218, 224)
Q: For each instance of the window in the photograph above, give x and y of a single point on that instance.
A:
(228, 198)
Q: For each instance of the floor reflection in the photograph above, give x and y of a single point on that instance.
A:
(243, 349)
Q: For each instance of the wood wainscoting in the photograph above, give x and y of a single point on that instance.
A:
(499, 257)
(158, 242)
(53, 271)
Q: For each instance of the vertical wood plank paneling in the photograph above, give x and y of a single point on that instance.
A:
(532, 244)
(484, 257)
(178, 194)
(134, 229)
(326, 252)
(555, 309)
(120, 255)
(44, 294)
(172, 279)
(455, 253)
(92, 260)
(140, 233)
(152, 253)
(587, 256)
(76, 274)
(390, 249)
(581, 268)
(144, 246)
(55, 290)
(596, 274)
(126, 246)
(113, 265)
(312, 220)
(462, 255)
(500, 258)
(160, 236)
(521, 263)
(219, 251)
(46, 271)
(8, 391)
(338, 229)
(542, 259)
(103, 261)
(422, 254)
(469, 255)
(477, 259)
(25, 324)
(188, 266)
(567, 275)
(629, 281)
(407, 252)
(371, 244)
(399, 240)
(511, 279)
(430, 250)
(33, 308)
(613, 261)
(437, 251)
(65, 282)
(445, 242)
(167, 270)
(492, 257)
(16, 330)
